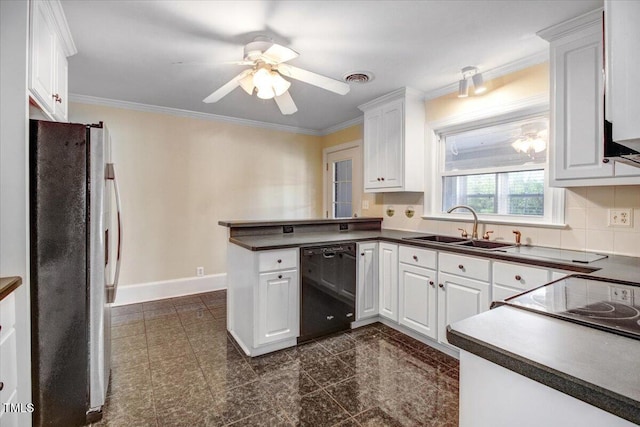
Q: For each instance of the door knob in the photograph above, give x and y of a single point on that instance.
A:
(431, 283)
(279, 276)
(441, 286)
(415, 258)
(518, 277)
(461, 267)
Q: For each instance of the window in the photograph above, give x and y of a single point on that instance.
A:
(342, 189)
(498, 167)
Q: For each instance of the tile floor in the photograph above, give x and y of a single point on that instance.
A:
(175, 365)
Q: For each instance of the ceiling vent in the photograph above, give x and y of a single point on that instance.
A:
(360, 77)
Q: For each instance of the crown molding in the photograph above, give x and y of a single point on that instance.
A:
(403, 92)
(493, 73)
(127, 105)
(61, 27)
(589, 19)
(532, 105)
(335, 128)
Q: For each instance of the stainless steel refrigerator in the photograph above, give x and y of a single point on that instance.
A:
(72, 184)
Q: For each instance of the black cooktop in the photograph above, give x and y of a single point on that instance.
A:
(609, 305)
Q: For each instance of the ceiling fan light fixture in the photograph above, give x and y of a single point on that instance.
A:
(246, 83)
(279, 84)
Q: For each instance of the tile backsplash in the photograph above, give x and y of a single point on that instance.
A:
(586, 216)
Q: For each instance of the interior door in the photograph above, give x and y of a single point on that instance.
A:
(343, 182)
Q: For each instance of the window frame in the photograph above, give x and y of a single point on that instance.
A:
(553, 199)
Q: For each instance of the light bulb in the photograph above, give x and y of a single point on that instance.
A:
(262, 79)
(266, 92)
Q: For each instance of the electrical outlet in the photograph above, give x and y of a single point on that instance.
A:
(620, 218)
(199, 271)
(365, 204)
(622, 295)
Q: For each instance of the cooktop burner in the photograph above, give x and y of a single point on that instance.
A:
(608, 305)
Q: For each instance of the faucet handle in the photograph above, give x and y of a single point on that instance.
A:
(518, 236)
(486, 236)
(464, 232)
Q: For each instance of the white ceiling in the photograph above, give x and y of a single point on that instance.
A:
(131, 50)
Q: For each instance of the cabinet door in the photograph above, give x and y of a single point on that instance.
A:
(458, 299)
(578, 123)
(417, 299)
(391, 148)
(388, 280)
(372, 147)
(278, 307)
(367, 282)
(42, 65)
(623, 92)
(61, 102)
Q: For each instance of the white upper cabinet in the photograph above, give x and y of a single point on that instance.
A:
(577, 97)
(622, 37)
(49, 46)
(394, 142)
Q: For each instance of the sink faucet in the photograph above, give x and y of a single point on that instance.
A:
(474, 233)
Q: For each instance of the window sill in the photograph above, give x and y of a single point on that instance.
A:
(524, 223)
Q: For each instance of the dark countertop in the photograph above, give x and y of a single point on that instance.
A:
(8, 285)
(597, 367)
(613, 267)
(269, 223)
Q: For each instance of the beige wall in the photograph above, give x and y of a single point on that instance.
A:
(586, 208)
(180, 176)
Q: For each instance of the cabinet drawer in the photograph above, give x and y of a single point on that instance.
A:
(7, 315)
(417, 256)
(473, 268)
(519, 276)
(278, 260)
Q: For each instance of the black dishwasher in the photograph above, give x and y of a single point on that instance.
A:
(328, 293)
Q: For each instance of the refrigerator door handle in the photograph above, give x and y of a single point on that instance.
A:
(112, 289)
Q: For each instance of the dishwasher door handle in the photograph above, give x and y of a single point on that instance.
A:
(329, 255)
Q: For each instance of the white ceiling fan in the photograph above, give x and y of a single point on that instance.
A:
(265, 77)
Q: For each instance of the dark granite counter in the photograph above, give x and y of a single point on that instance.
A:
(8, 285)
(269, 223)
(600, 368)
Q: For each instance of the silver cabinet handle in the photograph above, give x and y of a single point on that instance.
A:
(329, 317)
(112, 289)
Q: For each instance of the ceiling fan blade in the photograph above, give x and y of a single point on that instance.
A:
(323, 82)
(238, 62)
(278, 53)
(286, 104)
(246, 83)
(226, 88)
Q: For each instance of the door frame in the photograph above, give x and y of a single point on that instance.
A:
(357, 176)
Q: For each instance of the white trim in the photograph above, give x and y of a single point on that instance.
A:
(532, 105)
(356, 195)
(61, 27)
(151, 291)
(496, 221)
(568, 27)
(402, 93)
(340, 126)
(502, 70)
(94, 100)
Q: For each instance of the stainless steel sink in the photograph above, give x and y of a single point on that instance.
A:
(438, 239)
(459, 241)
(484, 244)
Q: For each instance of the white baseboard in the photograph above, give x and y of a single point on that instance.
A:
(143, 292)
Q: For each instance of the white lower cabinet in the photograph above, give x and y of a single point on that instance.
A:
(417, 302)
(459, 298)
(367, 281)
(277, 306)
(388, 280)
(8, 360)
(510, 279)
(263, 299)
